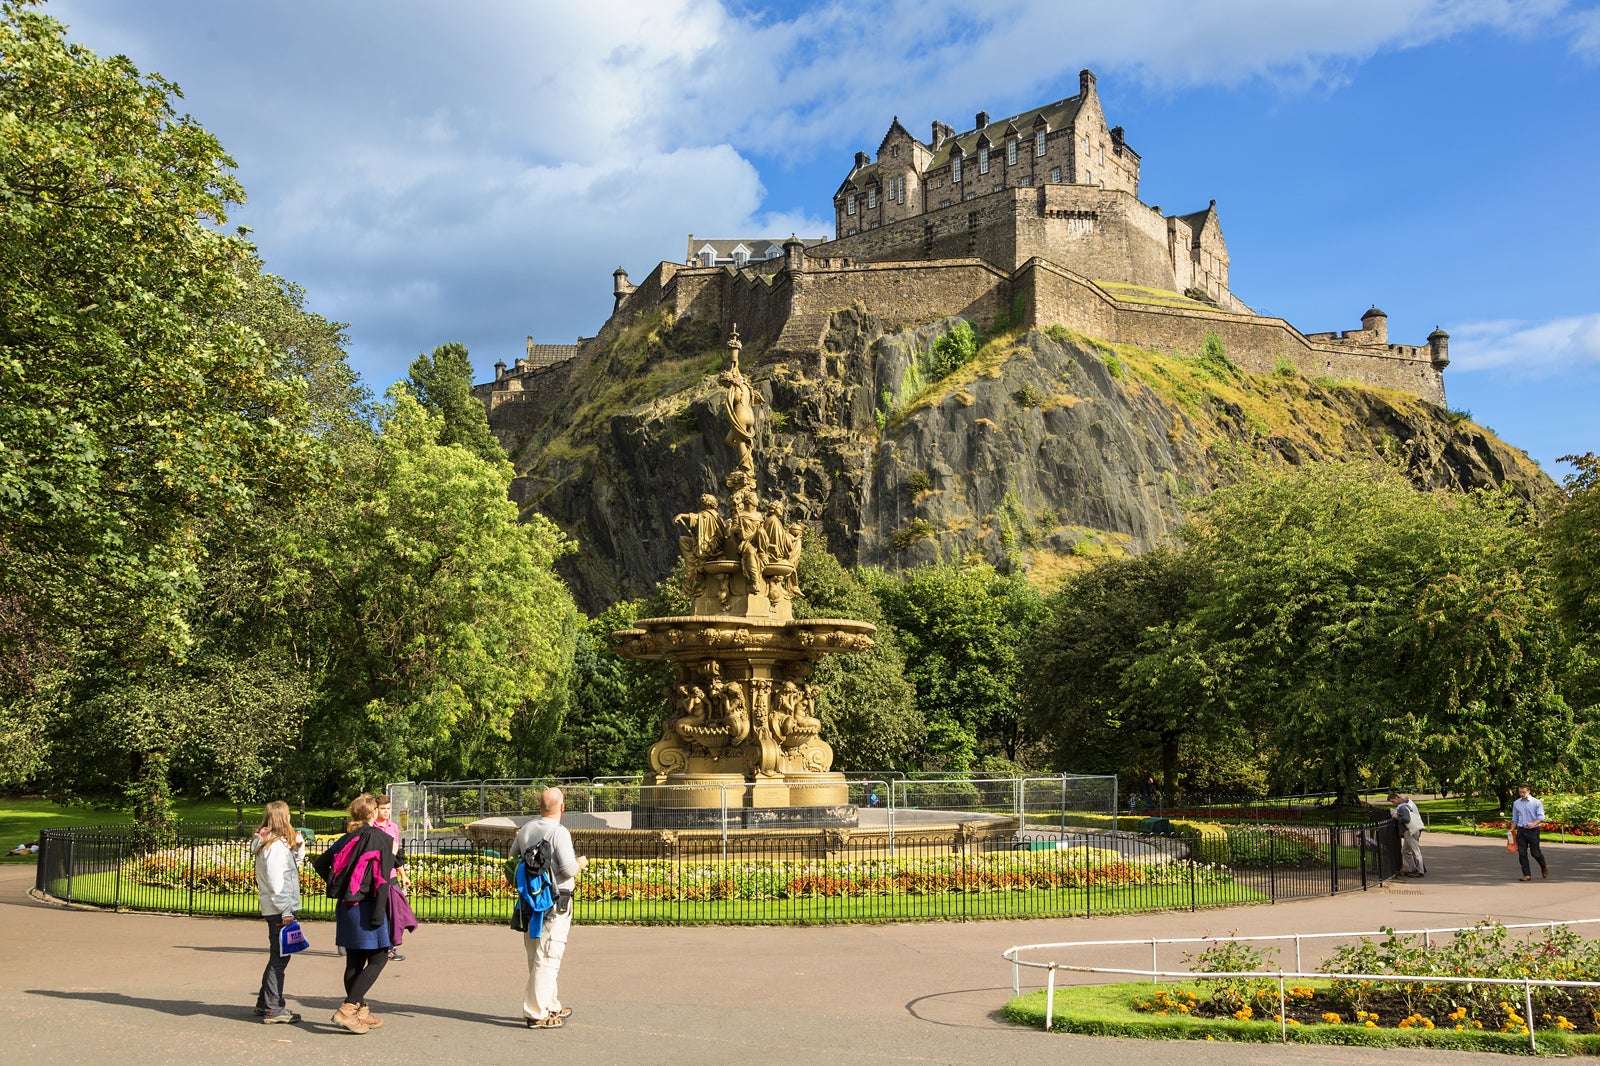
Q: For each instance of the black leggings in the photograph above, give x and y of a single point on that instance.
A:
(361, 969)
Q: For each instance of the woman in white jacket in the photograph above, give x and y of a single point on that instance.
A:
(278, 850)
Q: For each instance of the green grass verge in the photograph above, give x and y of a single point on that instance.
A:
(21, 819)
(1107, 1010)
(103, 889)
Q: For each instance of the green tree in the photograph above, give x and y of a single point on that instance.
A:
(1377, 632)
(428, 618)
(867, 706)
(615, 703)
(1109, 686)
(961, 629)
(443, 384)
(130, 414)
(1573, 538)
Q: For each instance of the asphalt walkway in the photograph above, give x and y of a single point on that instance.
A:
(135, 989)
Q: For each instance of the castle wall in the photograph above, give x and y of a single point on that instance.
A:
(1253, 343)
(1099, 233)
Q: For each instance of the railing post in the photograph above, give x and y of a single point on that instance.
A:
(116, 897)
(1272, 864)
(72, 862)
(191, 876)
(1527, 1001)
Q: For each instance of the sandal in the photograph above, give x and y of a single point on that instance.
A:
(549, 1021)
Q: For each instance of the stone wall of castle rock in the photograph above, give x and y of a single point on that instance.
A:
(1253, 343)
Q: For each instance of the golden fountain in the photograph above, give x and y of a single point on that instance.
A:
(741, 735)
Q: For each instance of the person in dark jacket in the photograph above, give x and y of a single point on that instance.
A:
(359, 868)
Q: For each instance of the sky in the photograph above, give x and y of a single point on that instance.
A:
(474, 172)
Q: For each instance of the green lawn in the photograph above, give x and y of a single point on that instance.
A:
(1107, 1010)
(21, 819)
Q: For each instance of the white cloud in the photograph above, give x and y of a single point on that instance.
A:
(1586, 35)
(434, 173)
(1532, 349)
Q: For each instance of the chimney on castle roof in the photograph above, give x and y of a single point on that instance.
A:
(982, 119)
(500, 370)
(1085, 81)
(941, 133)
(862, 159)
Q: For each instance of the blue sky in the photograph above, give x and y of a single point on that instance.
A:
(475, 172)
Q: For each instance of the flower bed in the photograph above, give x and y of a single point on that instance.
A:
(1487, 950)
(227, 869)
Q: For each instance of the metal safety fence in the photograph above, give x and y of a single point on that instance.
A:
(1064, 957)
(799, 876)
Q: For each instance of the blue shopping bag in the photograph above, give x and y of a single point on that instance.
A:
(291, 939)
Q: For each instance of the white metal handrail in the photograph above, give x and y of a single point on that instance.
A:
(1013, 956)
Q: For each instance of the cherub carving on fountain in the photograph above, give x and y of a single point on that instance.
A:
(744, 531)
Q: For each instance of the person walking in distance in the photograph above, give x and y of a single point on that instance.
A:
(541, 1003)
(402, 883)
(1410, 819)
(278, 849)
(1527, 816)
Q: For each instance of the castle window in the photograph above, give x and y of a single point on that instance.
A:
(740, 257)
(1086, 147)
(708, 258)
(872, 199)
(1038, 143)
(1055, 175)
(1102, 159)
(1011, 152)
(850, 204)
(955, 170)
(895, 152)
(983, 159)
(1025, 180)
(902, 197)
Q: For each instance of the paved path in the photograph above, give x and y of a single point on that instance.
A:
(133, 989)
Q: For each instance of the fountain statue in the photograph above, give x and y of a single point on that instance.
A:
(742, 733)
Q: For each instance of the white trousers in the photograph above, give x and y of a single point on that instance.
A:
(539, 998)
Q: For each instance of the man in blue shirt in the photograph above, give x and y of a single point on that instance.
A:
(1527, 815)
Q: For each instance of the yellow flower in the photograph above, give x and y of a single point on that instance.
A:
(1372, 1025)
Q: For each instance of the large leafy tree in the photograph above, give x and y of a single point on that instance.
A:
(1109, 685)
(1377, 632)
(1573, 539)
(130, 413)
(443, 384)
(867, 706)
(428, 617)
(961, 629)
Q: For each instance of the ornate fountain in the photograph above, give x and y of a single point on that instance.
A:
(742, 732)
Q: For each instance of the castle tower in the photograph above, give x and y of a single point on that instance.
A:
(620, 287)
(1439, 348)
(1377, 323)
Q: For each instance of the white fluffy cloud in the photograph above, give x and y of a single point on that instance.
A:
(474, 173)
(1531, 349)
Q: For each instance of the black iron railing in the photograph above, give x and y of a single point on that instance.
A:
(765, 880)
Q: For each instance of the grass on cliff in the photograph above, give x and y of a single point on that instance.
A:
(655, 357)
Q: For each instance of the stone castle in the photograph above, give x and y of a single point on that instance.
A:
(1035, 216)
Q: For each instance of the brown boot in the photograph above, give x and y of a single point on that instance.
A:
(349, 1016)
(369, 1019)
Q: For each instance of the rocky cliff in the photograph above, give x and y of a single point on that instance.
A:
(1043, 451)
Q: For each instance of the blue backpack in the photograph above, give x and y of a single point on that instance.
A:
(535, 881)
